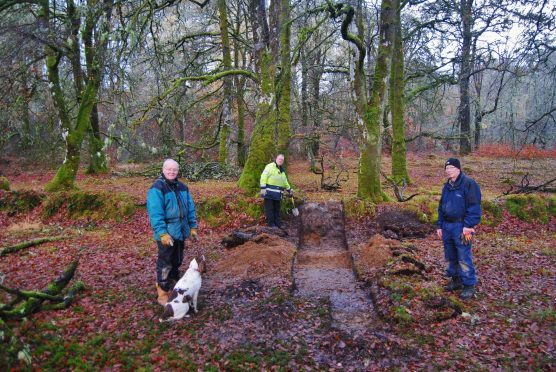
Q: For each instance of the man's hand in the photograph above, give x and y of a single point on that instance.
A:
(439, 233)
(193, 234)
(467, 235)
(263, 192)
(290, 192)
(166, 240)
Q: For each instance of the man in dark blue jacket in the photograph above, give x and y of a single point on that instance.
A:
(173, 219)
(459, 211)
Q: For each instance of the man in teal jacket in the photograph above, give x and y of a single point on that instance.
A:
(173, 219)
(273, 184)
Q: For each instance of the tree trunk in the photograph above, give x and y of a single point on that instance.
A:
(305, 109)
(477, 121)
(65, 177)
(284, 81)
(94, 56)
(262, 147)
(464, 111)
(397, 99)
(239, 92)
(97, 162)
(370, 113)
(227, 153)
(240, 123)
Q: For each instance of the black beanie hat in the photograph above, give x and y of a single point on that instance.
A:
(454, 162)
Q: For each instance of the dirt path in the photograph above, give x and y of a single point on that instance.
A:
(323, 267)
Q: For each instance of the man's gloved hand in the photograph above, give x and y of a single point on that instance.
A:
(193, 234)
(263, 192)
(467, 235)
(166, 240)
(290, 192)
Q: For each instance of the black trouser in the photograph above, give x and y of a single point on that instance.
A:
(168, 263)
(272, 212)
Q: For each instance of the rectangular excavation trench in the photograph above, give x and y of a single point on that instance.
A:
(323, 267)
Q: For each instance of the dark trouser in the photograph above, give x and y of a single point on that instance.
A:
(457, 254)
(168, 263)
(272, 212)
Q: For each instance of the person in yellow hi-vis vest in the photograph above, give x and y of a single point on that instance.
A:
(273, 184)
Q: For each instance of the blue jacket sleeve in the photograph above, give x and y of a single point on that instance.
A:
(191, 215)
(440, 214)
(473, 205)
(155, 208)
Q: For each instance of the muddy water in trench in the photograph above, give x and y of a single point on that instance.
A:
(323, 267)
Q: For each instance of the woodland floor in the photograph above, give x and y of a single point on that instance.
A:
(251, 316)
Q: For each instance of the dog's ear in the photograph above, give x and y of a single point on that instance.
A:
(186, 298)
(202, 265)
(173, 295)
(168, 312)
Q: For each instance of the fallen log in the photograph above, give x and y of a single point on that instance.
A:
(17, 247)
(67, 299)
(241, 236)
(34, 303)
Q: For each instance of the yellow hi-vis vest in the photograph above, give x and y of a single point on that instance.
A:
(274, 181)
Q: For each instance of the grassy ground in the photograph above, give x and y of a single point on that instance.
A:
(258, 323)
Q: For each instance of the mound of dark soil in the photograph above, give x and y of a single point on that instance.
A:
(400, 224)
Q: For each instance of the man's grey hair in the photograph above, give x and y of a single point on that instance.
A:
(169, 162)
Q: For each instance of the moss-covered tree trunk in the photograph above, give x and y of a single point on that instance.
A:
(284, 85)
(98, 163)
(369, 185)
(370, 112)
(227, 153)
(262, 147)
(97, 23)
(397, 97)
(65, 176)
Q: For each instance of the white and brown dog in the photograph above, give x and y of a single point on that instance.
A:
(185, 293)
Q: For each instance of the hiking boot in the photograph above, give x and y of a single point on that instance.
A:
(454, 284)
(468, 292)
(163, 296)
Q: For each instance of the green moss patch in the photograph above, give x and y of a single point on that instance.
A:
(252, 207)
(23, 201)
(211, 210)
(96, 206)
(355, 207)
(218, 211)
(531, 207)
(4, 184)
(425, 206)
(492, 212)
